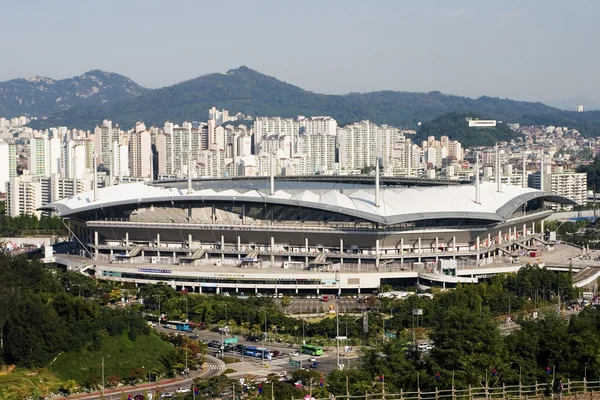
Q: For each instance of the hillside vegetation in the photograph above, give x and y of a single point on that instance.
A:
(248, 91)
(456, 127)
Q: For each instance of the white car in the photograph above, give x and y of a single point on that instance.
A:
(313, 359)
(294, 353)
(182, 390)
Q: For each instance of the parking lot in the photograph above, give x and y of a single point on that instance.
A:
(317, 306)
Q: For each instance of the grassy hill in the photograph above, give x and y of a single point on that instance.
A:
(248, 91)
(456, 127)
(121, 356)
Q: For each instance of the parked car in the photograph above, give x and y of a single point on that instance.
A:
(253, 338)
(182, 390)
(166, 395)
(276, 353)
(195, 337)
(294, 353)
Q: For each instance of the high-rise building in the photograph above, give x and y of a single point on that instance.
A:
(140, 154)
(24, 195)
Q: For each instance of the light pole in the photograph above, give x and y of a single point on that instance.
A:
(159, 314)
(337, 325)
(303, 341)
(186, 309)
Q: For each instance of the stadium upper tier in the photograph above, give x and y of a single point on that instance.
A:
(397, 204)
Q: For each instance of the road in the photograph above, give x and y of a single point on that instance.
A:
(255, 366)
(169, 385)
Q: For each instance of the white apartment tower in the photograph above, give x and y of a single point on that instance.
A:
(140, 154)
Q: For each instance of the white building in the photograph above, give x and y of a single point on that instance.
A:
(140, 154)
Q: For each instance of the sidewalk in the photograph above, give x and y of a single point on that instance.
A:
(137, 389)
(124, 389)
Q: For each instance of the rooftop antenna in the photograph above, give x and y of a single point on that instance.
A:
(189, 186)
(95, 178)
(477, 186)
(377, 181)
(272, 175)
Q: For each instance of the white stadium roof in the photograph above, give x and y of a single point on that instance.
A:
(397, 204)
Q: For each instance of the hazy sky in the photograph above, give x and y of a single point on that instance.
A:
(530, 50)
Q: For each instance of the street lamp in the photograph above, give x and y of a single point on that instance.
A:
(186, 308)
(159, 314)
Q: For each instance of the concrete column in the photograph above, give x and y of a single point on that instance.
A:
(437, 244)
(239, 247)
(306, 250)
(419, 249)
(489, 239)
(342, 251)
(499, 237)
(542, 226)
(243, 214)
(296, 290)
(272, 251)
(190, 241)
(509, 234)
(359, 263)
(95, 245)
(222, 247)
(477, 244)
(401, 252)
(454, 247)
(377, 253)
(158, 240)
(126, 239)
(524, 230)
(533, 228)
(142, 253)
(174, 258)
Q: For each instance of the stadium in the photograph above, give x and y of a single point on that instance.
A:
(294, 235)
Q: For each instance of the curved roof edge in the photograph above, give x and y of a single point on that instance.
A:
(502, 214)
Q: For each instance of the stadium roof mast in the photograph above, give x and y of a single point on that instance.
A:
(95, 177)
(377, 181)
(477, 186)
(189, 171)
(272, 177)
(498, 172)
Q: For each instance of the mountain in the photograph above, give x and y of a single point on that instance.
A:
(40, 96)
(252, 93)
(455, 126)
(571, 104)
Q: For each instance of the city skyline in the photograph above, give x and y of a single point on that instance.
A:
(403, 46)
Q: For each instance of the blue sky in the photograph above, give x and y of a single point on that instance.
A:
(529, 50)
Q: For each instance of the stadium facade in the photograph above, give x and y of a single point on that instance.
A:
(293, 235)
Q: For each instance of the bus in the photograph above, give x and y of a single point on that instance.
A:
(178, 326)
(312, 350)
(258, 352)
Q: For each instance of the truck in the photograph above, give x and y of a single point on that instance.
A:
(230, 341)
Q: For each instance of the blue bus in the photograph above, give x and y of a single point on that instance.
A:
(178, 326)
(258, 352)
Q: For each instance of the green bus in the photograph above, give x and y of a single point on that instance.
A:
(312, 350)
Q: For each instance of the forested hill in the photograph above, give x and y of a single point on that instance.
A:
(252, 93)
(456, 127)
(40, 96)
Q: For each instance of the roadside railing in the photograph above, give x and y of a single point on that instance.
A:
(581, 390)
